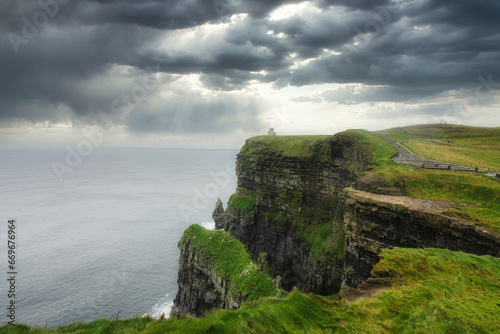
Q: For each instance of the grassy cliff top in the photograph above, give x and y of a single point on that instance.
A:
(445, 132)
(292, 146)
(466, 145)
(478, 190)
(414, 291)
(231, 260)
(481, 191)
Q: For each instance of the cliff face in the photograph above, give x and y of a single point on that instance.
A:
(201, 288)
(289, 205)
(216, 272)
(375, 222)
(312, 215)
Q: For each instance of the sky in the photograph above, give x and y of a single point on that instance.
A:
(211, 73)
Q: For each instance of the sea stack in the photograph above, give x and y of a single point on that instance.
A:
(218, 214)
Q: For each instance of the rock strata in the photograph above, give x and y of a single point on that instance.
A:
(374, 222)
(316, 218)
(216, 272)
(296, 213)
(218, 214)
(201, 288)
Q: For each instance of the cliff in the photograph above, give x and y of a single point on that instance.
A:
(216, 272)
(289, 203)
(375, 222)
(411, 291)
(316, 211)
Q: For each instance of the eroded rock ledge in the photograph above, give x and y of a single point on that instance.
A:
(216, 272)
(374, 222)
(200, 287)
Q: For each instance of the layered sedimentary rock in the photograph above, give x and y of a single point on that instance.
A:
(289, 205)
(310, 213)
(218, 214)
(216, 272)
(201, 287)
(374, 222)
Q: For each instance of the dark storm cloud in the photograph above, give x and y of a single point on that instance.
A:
(61, 53)
(67, 67)
(479, 13)
(423, 49)
(414, 49)
(155, 14)
(171, 14)
(357, 4)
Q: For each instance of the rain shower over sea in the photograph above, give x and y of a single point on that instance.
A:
(102, 239)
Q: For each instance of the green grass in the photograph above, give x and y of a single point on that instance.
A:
(483, 144)
(445, 132)
(439, 291)
(381, 150)
(231, 260)
(478, 190)
(484, 159)
(326, 240)
(241, 202)
(432, 291)
(290, 146)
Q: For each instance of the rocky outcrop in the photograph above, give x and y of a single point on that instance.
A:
(218, 214)
(216, 272)
(201, 288)
(262, 262)
(375, 222)
(289, 205)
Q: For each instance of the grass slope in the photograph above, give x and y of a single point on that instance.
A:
(481, 191)
(480, 146)
(240, 202)
(432, 291)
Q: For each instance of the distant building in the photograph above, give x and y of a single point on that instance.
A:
(271, 132)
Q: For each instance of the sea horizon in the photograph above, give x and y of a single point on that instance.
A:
(101, 238)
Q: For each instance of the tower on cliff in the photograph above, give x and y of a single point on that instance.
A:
(271, 132)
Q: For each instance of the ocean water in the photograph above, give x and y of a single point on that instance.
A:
(97, 236)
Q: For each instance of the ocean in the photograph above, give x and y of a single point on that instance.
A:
(96, 235)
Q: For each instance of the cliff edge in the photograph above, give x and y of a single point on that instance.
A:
(315, 212)
(289, 204)
(376, 222)
(216, 272)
